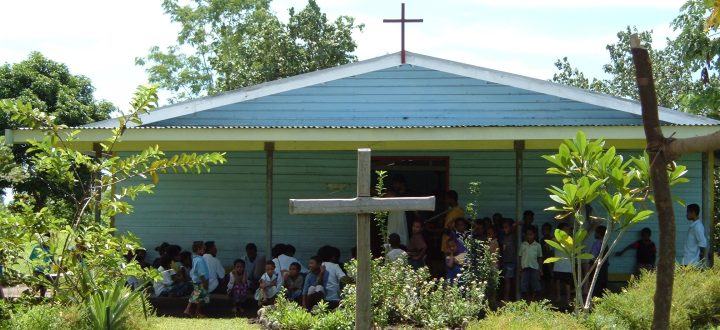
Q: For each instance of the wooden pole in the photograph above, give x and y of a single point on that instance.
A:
(708, 201)
(363, 314)
(656, 147)
(519, 146)
(269, 158)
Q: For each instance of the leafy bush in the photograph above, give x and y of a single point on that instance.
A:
(695, 304)
(400, 295)
(49, 317)
(520, 315)
(112, 308)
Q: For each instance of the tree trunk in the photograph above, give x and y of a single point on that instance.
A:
(658, 149)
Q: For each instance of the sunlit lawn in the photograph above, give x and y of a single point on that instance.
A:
(161, 323)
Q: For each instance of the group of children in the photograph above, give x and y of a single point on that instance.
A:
(251, 279)
(254, 278)
(525, 257)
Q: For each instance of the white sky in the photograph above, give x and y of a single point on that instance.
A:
(100, 39)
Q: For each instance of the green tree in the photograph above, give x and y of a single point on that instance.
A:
(228, 44)
(673, 76)
(87, 253)
(591, 175)
(50, 87)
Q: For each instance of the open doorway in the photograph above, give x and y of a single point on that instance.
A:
(414, 176)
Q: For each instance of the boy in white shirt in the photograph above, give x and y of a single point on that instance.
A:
(331, 256)
(215, 267)
(395, 251)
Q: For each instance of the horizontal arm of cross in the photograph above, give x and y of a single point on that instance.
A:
(406, 20)
(361, 205)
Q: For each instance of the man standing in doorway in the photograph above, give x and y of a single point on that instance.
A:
(694, 251)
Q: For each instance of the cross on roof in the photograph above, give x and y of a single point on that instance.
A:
(402, 22)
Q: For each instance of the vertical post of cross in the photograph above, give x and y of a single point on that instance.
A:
(363, 316)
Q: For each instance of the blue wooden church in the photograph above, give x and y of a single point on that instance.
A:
(441, 124)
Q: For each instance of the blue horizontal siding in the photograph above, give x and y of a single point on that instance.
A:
(227, 205)
(406, 95)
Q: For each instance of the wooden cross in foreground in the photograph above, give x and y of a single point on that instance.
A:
(363, 205)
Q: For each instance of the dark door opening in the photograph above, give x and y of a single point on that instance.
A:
(422, 176)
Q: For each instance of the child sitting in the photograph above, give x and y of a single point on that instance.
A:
(199, 274)
(172, 284)
(331, 256)
(293, 282)
(237, 287)
(452, 263)
(313, 289)
(269, 285)
(645, 255)
(530, 261)
(395, 251)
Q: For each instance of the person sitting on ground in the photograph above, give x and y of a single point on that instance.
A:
(530, 261)
(140, 256)
(314, 287)
(199, 274)
(417, 248)
(287, 258)
(215, 268)
(293, 282)
(395, 252)
(452, 264)
(173, 251)
(237, 287)
(161, 251)
(646, 251)
(268, 286)
(163, 287)
(250, 259)
(185, 265)
(275, 252)
(331, 256)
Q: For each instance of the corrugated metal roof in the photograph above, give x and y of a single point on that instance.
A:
(359, 127)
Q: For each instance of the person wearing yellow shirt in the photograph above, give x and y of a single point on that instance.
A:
(451, 199)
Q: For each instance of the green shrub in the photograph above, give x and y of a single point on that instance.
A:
(400, 296)
(695, 304)
(520, 315)
(115, 307)
(49, 317)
